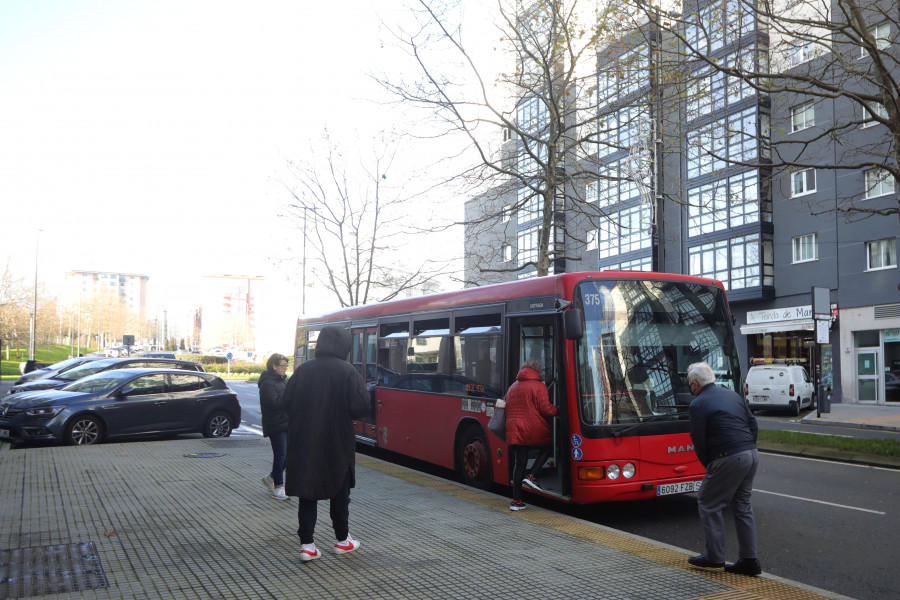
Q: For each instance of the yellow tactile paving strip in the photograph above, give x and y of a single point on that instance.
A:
(744, 588)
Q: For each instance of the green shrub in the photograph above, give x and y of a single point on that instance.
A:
(247, 368)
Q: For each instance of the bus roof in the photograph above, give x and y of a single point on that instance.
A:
(561, 285)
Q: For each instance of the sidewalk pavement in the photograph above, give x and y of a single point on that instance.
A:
(189, 518)
(859, 416)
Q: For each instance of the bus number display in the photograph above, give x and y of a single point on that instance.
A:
(592, 300)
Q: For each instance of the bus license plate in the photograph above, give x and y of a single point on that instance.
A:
(685, 487)
(4, 433)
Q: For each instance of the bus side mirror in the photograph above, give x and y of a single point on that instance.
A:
(573, 323)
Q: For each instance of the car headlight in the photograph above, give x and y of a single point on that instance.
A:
(628, 470)
(613, 472)
(44, 411)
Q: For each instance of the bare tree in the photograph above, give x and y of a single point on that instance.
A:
(354, 220)
(544, 105)
(15, 300)
(839, 59)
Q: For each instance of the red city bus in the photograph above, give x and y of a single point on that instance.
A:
(615, 347)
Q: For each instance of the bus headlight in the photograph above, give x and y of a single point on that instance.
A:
(613, 472)
(628, 470)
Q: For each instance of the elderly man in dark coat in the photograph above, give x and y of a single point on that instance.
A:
(322, 397)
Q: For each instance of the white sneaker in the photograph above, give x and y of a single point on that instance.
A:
(269, 483)
(348, 545)
(278, 493)
(309, 552)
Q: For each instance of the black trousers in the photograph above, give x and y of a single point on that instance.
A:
(307, 514)
(518, 455)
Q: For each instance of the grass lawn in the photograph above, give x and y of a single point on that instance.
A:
(43, 354)
(875, 446)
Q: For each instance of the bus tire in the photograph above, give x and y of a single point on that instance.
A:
(474, 458)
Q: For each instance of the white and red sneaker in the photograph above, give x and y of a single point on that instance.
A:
(309, 552)
(348, 545)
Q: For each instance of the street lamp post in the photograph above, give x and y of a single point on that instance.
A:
(32, 345)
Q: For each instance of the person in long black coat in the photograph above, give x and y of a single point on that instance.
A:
(321, 399)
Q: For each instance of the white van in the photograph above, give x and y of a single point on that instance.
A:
(779, 387)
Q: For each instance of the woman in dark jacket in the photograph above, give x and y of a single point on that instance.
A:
(527, 410)
(274, 421)
(322, 398)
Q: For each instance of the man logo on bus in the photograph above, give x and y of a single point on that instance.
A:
(576, 440)
(674, 449)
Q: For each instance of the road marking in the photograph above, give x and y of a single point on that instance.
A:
(815, 433)
(829, 461)
(876, 512)
(251, 429)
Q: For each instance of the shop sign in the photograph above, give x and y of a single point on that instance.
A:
(774, 315)
(892, 335)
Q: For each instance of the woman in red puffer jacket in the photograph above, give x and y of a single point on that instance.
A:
(527, 410)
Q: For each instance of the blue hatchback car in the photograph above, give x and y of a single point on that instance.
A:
(123, 402)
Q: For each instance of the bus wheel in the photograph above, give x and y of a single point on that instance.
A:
(474, 458)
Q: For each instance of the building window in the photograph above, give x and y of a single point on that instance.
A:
(801, 51)
(591, 240)
(724, 203)
(874, 110)
(803, 182)
(625, 231)
(881, 254)
(879, 182)
(803, 116)
(717, 145)
(882, 35)
(507, 253)
(590, 192)
(638, 264)
(507, 212)
(805, 248)
(529, 206)
(735, 262)
(527, 243)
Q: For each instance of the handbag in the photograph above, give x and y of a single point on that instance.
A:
(497, 424)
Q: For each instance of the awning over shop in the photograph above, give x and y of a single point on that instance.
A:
(776, 326)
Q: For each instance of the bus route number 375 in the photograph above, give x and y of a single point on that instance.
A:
(684, 487)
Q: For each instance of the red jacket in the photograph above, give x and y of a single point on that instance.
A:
(527, 410)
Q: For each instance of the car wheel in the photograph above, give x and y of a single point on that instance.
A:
(84, 430)
(473, 458)
(797, 408)
(217, 425)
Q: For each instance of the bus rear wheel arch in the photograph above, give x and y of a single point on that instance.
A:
(473, 457)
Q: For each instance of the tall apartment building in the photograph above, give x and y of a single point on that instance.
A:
(690, 188)
(129, 289)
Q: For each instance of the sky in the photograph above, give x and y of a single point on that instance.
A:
(150, 136)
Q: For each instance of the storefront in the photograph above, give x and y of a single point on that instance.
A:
(789, 335)
(870, 337)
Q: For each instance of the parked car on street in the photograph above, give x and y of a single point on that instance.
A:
(779, 387)
(123, 402)
(54, 369)
(103, 364)
(158, 355)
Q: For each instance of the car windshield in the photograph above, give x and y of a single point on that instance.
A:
(85, 370)
(64, 363)
(100, 382)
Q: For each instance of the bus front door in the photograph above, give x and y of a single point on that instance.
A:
(534, 338)
(363, 357)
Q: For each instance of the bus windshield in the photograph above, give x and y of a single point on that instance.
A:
(640, 337)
